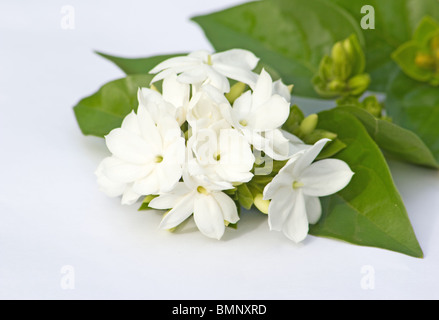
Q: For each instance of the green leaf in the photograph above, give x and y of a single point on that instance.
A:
(394, 140)
(292, 36)
(415, 106)
(331, 149)
(245, 197)
(369, 211)
(103, 111)
(137, 65)
(395, 21)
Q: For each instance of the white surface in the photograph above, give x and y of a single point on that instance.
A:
(52, 214)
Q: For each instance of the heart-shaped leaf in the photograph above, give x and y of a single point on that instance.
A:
(369, 211)
(103, 111)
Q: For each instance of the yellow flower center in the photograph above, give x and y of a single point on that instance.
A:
(158, 159)
(297, 185)
(202, 190)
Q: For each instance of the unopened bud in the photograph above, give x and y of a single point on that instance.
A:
(425, 61)
(235, 91)
(261, 204)
(358, 84)
(336, 85)
(373, 106)
(325, 69)
(338, 53)
(349, 49)
(309, 124)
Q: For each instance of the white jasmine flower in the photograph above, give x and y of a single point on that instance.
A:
(201, 67)
(259, 115)
(204, 109)
(113, 188)
(220, 153)
(173, 101)
(211, 207)
(147, 156)
(294, 191)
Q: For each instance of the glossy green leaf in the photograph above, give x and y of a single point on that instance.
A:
(415, 106)
(103, 111)
(292, 36)
(394, 140)
(395, 22)
(137, 65)
(245, 197)
(369, 211)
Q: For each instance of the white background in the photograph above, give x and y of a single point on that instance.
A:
(52, 214)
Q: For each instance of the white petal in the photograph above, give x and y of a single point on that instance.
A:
(175, 92)
(176, 63)
(228, 207)
(121, 171)
(131, 124)
(238, 74)
(296, 225)
(263, 90)
(217, 80)
(149, 131)
(170, 200)
(106, 185)
(313, 209)
(242, 107)
(281, 89)
(237, 58)
(325, 177)
(270, 115)
(194, 76)
(180, 212)
(235, 150)
(148, 185)
(168, 175)
(208, 216)
(284, 180)
(280, 207)
(129, 196)
(128, 146)
(308, 157)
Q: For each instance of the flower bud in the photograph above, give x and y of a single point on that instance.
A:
(358, 84)
(261, 204)
(373, 106)
(349, 49)
(309, 124)
(336, 85)
(235, 91)
(341, 67)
